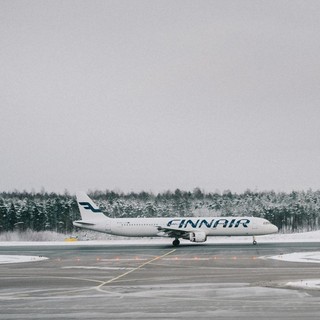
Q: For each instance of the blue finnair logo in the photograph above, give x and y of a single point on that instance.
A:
(199, 223)
(88, 206)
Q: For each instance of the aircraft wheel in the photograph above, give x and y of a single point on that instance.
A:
(254, 242)
(176, 242)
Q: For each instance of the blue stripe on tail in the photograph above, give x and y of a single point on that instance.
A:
(88, 206)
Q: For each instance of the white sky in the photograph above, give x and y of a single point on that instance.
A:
(157, 95)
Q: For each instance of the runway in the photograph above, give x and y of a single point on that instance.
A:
(225, 281)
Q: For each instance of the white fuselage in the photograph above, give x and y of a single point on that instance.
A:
(211, 226)
(195, 229)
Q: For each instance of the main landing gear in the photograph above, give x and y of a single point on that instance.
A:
(254, 241)
(176, 242)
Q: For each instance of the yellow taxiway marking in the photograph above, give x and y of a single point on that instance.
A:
(133, 270)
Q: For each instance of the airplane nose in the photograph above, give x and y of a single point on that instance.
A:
(274, 229)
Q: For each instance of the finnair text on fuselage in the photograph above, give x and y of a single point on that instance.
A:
(204, 223)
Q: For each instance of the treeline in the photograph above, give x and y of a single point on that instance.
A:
(291, 212)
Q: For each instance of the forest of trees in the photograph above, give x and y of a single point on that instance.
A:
(291, 212)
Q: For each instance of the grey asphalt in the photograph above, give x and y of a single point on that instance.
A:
(222, 281)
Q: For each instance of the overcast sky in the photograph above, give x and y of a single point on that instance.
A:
(158, 95)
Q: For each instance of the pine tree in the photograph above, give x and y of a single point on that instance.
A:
(25, 216)
(39, 219)
(3, 216)
(12, 217)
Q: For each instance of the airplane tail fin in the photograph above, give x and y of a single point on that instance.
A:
(88, 209)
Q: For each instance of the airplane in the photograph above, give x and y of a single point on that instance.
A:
(194, 229)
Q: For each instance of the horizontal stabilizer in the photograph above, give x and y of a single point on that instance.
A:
(84, 223)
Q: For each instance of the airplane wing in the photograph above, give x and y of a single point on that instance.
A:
(173, 233)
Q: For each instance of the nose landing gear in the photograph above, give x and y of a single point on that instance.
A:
(254, 241)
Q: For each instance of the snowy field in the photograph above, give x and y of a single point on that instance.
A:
(313, 236)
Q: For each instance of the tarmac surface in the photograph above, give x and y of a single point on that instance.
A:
(202, 281)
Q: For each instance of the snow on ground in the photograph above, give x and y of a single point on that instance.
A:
(299, 257)
(309, 284)
(313, 236)
(18, 259)
(311, 257)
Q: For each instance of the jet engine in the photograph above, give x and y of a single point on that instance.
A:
(198, 237)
